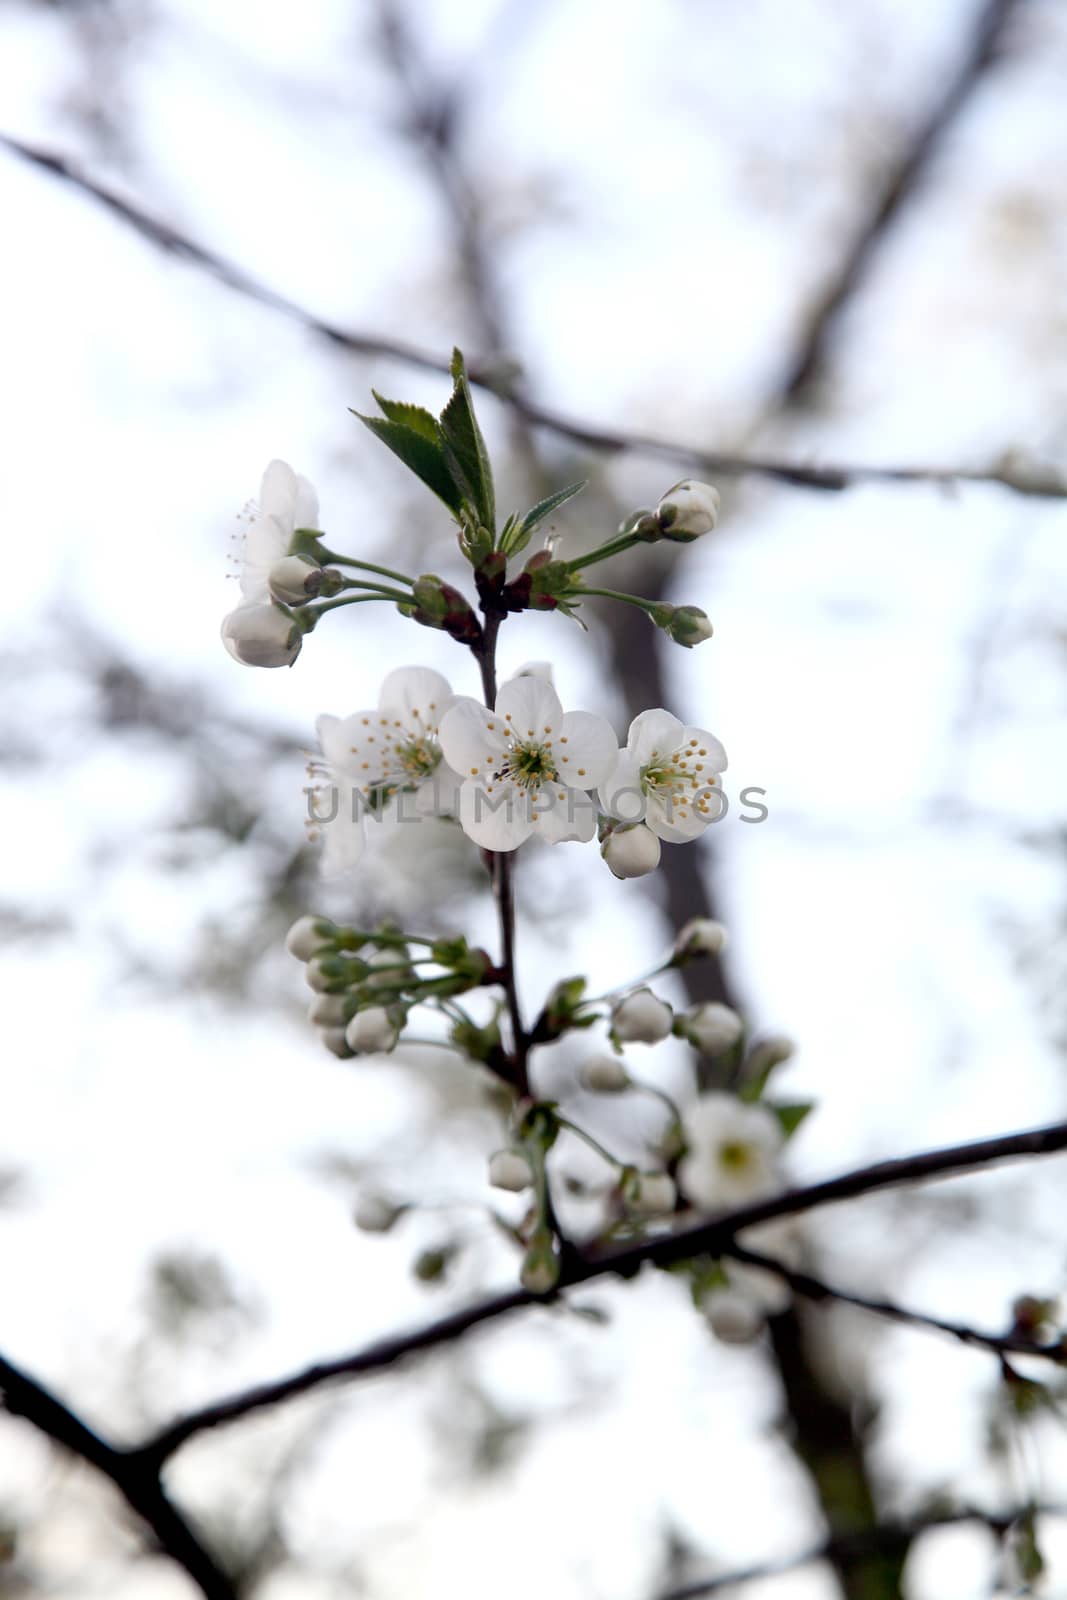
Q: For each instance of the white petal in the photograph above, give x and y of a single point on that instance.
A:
(338, 736)
(410, 689)
(471, 735)
(564, 814)
(438, 795)
(709, 750)
(277, 492)
(653, 731)
(305, 505)
(532, 705)
(592, 749)
(621, 795)
(677, 823)
(264, 545)
(497, 821)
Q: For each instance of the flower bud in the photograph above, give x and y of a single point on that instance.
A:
(375, 1214)
(631, 852)
(328, 974)
(439, 605)
(335, 1041)
(328, 1011)
(509, 1169)
(308, 935)
(712, 1028)
(540, 1267)
(261, 636)
(700, 937)
(642, 1017)
(372, 1032)
(604, 1075)
(649, 1194)
(688, 510)
(733, 1316)
(294, 579)
(768, 1053)
(686, 625)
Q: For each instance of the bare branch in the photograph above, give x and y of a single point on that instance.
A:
(884, 1538)
(132, 1475)
(713, 1238)
(1021, 479)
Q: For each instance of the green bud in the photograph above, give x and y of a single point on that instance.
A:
(439, 605)
(686, 625)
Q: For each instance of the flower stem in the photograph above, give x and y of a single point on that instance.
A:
(614, 547)
(615, 594)
(500, 866)
(331, 559)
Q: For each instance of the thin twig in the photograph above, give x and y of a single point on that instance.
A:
(713, 1237)
(883, 1538)
(1045, 484)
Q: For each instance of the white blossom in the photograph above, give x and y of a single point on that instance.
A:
(286, 502)
(733, 1315)
(711, 1027)
(261, 635)
(732, 1152)
(642, 1018)
(701, 936)
(631, 852)
(667, 777)
(386, 758)
(604, 1075)
(527, 768)
(372, 1032)
(509, 1169)
(689, 509)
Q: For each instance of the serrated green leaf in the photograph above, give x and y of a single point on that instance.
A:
(790, 1113)
(417, 418)
(465, 448)
(422, 456)
(544, 508)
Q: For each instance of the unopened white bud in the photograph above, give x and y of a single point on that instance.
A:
(375, 1214)
(288, 580)
(327, 1011)
(393, 959)
(604, 1075)
(772, 1051)
(540, 1267)
(306, 936)
(335, 1041)
(261, 636)
(509, 1169)
(316, 977)
(700, 937)
(649, 1194)
(733, 1316)
(713, 1028)
(688, 510)
(372, 1032)
(631, 852)
(642, 1018)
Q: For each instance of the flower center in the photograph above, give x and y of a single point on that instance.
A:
(680, 779)
(529, 765)
(735, 1155)
(419, 757)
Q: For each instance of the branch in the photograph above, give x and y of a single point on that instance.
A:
(706, 1238)
(812, 1288)
(130, 1473)
(884, 1538)
(1021, 479)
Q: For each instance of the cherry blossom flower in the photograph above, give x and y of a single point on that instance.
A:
(732, 1152)
(666, 777)
(261, 635)
(527, 767)
(389, 757)
(688, 510)
(286, 502)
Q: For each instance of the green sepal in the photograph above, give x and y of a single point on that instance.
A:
(790, 1113)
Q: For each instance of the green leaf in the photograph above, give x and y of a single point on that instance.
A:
(417, 418)
(423, 456)
(790, 1113)
(537, 514)
(464, 446)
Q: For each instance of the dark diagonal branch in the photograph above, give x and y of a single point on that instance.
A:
(902, 183)
(817, 1289)
(1020, 478)
(135, 1478)
(885, 1538)
(715, 1238)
